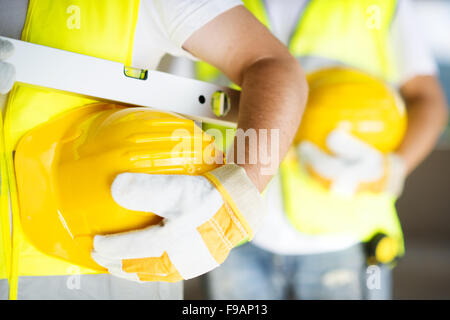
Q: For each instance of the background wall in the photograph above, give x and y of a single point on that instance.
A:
(424, 208)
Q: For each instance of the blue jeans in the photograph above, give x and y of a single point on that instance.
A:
(253, 273)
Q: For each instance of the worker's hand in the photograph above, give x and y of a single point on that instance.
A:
(204, 218)
(7, 70)
(354, 167)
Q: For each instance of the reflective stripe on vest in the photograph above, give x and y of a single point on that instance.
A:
(101, 28)
(353, 33)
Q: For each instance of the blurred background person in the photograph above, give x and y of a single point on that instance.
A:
(283, 262)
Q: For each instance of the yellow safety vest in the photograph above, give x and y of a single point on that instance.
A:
(101, 28)
(354, 33)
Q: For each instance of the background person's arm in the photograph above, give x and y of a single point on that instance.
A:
(274, 88)
(427, 117)
(419, 86)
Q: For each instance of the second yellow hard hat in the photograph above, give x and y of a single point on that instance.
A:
(355, 101)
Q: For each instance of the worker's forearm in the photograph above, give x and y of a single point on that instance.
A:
(427, 117)
(274, 93)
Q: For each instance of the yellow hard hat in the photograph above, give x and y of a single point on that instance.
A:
(65, 168)
(355, 101)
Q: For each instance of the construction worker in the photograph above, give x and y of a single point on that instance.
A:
(139, 33)
(382, 39)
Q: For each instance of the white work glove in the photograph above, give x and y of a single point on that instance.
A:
(354, 167)
(7, 70)
(204, 218)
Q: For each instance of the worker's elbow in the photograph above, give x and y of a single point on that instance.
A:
(296, 80)
(294, 66)
(282, 68)
(427, 94)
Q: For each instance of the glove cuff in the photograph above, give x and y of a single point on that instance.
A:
(241, 194)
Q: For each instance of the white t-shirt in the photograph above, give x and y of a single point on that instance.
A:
(413, 58)
(164, 25)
